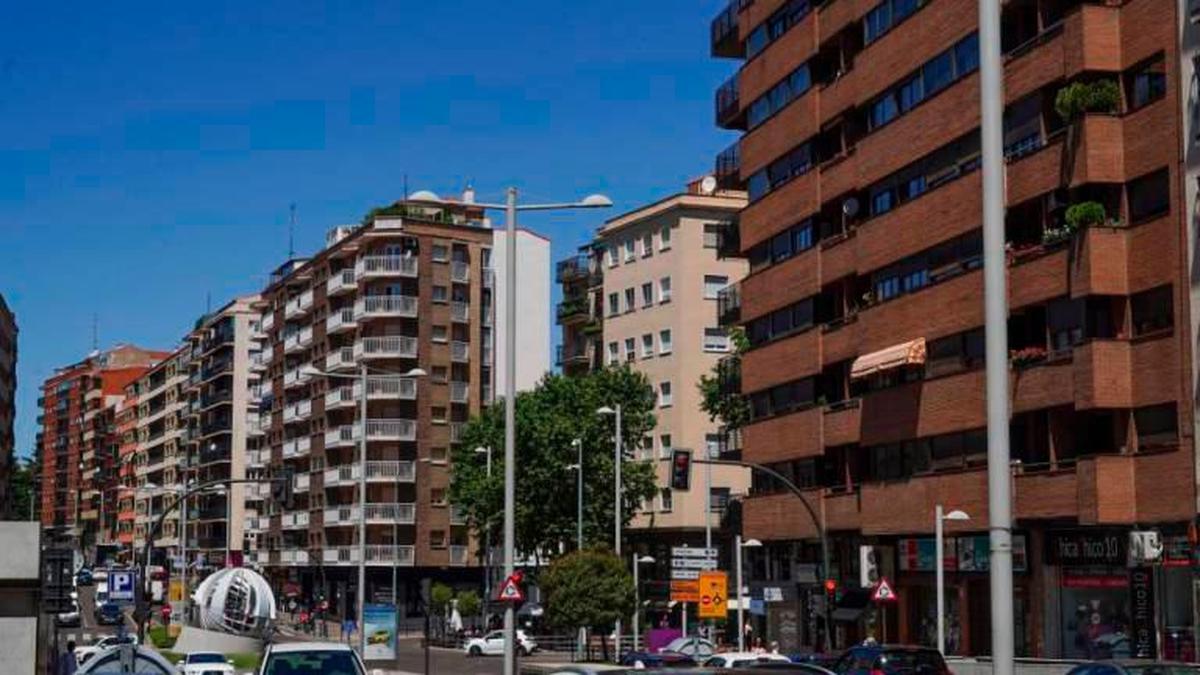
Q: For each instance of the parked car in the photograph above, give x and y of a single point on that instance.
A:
(742, 659)
(695, 647)
(1135, 667)
(311, 658)
(109, 614)
(84, 577)
(69, 618)
(661, 659)
(493, 643)
(83, 653)
(204, 663)
(876, 659)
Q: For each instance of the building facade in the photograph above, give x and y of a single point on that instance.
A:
(863, 308)
(8, 390)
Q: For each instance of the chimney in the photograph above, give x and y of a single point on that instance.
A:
(468, 195)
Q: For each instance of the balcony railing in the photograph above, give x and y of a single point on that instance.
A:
(728, 105)
(385, 305)
(342, 397)
(724, 30)
(575, 268)
(572, 354)
(372, 266)
(293, 556)
(729, 239)
(297, 412)
(460, 392)
(299, 340)
(342, 357)
(299, 305)
(729, 305)
(403, 514)
(728, 168)
(573, 309)
(386, 346)
(389, 471)
(268, 321)
(294, 520)
(460, 312)
(343, 436)
(297, 446)
(489, 277)
(458, 555)
(460, 351)
(377, 554)
(404, 388)
(344, 281)
(456, 431)
(300, 482)
(295, 377)
(340, 320)
(460, 272)
(391, 430)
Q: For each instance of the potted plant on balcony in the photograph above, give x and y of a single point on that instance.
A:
(1027, 356)
(1078, 98)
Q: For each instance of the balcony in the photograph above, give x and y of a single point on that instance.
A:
(456, 431)
(574, 355)
(398, 556)
(728, 113)
(343, 436)
(297, 412)
(576, 268)
(388, 388)
(298, 341)
(261, 360)
(460, 351)
(267, 322)
(458, 516)
(460, 312)
(728, 168)
(301, 482)
(723, 31)
(573, 310)
(460, 272)
(298, 557)
(458, 556)
(729, 305)
(257, 425)
(340, 320)
(341, 398)
(344, 281)
(386, 347)
(340, 359)
(296, 377)
(297, 447)
(384, 266)
(299, 305)
(257, 459)
(376, 306)
(377, 472)
(460, 392)
(391, 430)
(295, 520)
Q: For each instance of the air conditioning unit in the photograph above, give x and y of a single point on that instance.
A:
(1145, 546)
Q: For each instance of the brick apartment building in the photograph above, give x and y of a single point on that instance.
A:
(863, 304)
(8, 391)
(414, 288)
(78, 446)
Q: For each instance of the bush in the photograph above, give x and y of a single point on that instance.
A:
(1085, 214)
(160, 638)
(1078, 98)
(468, 603)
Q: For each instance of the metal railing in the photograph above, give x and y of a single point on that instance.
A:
(392, 429)
(460, 392)
(339, 320)
(460, 312)
(342, 357)
(401, 346)
(386, 305)
(340, 282)
(386, 266)
(460, 351)
(389, 388)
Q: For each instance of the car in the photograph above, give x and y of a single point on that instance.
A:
(741, 659)
(493, 644)
(311, 658)
(878, 659)
(109, 614)
(379, 637)
(695, 647)
(204, 663)
(84, 577)
(83, 653)
(639, 660)
(1135, 667)
(69, 618)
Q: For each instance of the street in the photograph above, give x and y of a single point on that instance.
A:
(89, 631)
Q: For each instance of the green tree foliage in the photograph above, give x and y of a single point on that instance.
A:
(731, 411)
(21, 483)
(549, 418)
(589, 588)
(1078, 98)
(468, 603)
(440, 596)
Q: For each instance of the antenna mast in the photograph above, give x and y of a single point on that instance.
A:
(292, 231)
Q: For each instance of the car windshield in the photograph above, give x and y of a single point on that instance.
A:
(1162, 669)
(206, 658)
(312, 663)
(911, 661)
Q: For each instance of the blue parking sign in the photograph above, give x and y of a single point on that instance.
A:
(121, 586)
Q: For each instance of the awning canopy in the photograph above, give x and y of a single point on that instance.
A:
(903, 354)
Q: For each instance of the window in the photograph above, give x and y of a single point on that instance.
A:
(439, 374)
(1147, 83)
(664, 341)
(647, 244)
(440, 253)
(437, 496)
(779, 96)
(647, 345)
(1156, 425)
(713, 284)
(715, 340)
(664, 446)
(438, 414)
(712, 445)
(936, 74)
(665, 503)
(630, 253)
(630, 299)
(1152, 310)
(614, 352)
(712, 234)
(647, 294)
(1149, 196)
(613, 256)
(664, 289)
(629, 349)
(441, 294)
(664, 238)
(665, 398)
(440, 334)
(614, 304)
(796, 162)
(437, 539)
(776, 25)
(438, 454)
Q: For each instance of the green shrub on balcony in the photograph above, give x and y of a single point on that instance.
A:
(1077, 98)
(1085, 214)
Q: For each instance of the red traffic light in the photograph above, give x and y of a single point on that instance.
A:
(830, 585)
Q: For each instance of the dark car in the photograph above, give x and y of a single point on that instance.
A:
(1135, 667)
(658, 660)
(109, 613)
(84, 577)
(873, 659)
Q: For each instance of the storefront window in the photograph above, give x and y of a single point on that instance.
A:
(1178, 638)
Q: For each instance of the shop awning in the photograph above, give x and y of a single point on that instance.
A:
(903, 354)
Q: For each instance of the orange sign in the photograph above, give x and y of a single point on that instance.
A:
(714, 595)
(685, 591)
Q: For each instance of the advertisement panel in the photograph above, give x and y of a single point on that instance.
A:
(379, 624)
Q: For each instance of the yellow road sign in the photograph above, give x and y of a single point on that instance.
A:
(714, 595)
(685, 591)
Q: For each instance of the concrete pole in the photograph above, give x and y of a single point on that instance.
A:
(487, 555)
(737, 565)
(187, 598)
(362, 508)
(637, 599)
(617, 519)
(996, 329)
(579, 498)
(708, 543)
(941, 578)
(510, 417)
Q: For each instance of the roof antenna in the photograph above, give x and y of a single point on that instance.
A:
(207, 303)
(95, 332)
(406, 187)
(292, 231)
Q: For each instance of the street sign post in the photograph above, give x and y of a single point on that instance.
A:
(510, 589)
(693, 563)
(714, 592)
(121, 586)
(689, 552)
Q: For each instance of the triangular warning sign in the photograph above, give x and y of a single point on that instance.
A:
(510, 591)
(883, 592)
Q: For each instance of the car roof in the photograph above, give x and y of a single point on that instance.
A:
(291, 647)
(752, 655)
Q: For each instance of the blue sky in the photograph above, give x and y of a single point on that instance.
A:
(149, 151)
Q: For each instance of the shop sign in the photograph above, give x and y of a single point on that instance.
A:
(1142, 632)
(1073, 580)
(1177, 551)
(772, 594)
(1087, 547)
(961, 554)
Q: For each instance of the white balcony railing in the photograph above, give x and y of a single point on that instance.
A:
(297, 412)
(340, 320)
(257, 459)
(460, 351)
(299, 305)
(341, 515)
(489, 277)
(293, 556)
(459, 392)
(456, 431)
(460, 312)
(377, 554)
(341, 282)
(299, 340)
(404, 514)
(388, 388)
(297, 447)
(386, 346)
(294, 520)
(254, 424)
(342, 397)
(343, 436)
(295, 377)
(389, 471)
(267, 322)
(458, 555)
(300, 482)
(372, 266)
(460, 272)
(340, 358)
(391, 430)
(385, 305)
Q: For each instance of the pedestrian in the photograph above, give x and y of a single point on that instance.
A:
(348, 627)
(67, 665)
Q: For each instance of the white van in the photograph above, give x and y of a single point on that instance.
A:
(101, 592)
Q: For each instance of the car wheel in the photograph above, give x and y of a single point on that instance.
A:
(474, 651)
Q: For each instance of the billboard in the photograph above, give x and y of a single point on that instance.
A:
(379, 626)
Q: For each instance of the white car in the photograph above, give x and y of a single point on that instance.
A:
(493, 644)
(696, 647)
(82, 654)
(311, 657)
(204, 663)
(741, 659)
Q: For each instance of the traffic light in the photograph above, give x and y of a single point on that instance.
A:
(830, 592)
(681, 469)
(868, 566)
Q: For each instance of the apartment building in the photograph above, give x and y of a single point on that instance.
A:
(410, 296)
(77, 444)
(644, 293)
(859, 150)
(8, 389)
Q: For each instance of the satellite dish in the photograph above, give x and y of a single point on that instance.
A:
(850, 207)
(708, 185)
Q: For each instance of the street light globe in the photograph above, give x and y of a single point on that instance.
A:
(956, 514)
(596, 201)
(481, 450)
(646, 559)
(416, 372)
(751, 543)
(605, 410)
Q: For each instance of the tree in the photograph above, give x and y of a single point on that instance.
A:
(589, 588)
(440, 596)
(549, 418)
(731, 410)
(468, 603)
(23, 489)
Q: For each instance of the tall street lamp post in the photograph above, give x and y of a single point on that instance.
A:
(939, 518)
(637, 598)
(578, 466)
(362, 378)
(738, 545)
(487, 544)
(618, 453)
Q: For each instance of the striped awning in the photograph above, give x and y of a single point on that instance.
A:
(904, 354)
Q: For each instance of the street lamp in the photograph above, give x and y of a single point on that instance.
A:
(938, 519)
(578, 466)
(511, 208)
(637, 598)
(615, 411)
(738, 545)
(487, 544)
(362, 377)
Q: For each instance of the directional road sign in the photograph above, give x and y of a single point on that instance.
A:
(714, 592)
(685, 591)
(689, 552)
(693, 564)
(685, 575)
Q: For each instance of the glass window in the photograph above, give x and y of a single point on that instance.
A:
(647, 345)
(713, 283)
(910, 94)
(647, 244)
(614, 304)
(888, 287)
(440, 334)
(884, 110)
(647, 294)
(803, 238)
(665, 397)
(629, 349)
(664, 238)
(664, 500)
(440, 293)
(630, 299)
(802, 313)
(878, 20)
(781, 322)
(781, 247)
(613, 352)
(664, 445)
(1156, 425)
(715, 340)
(1149, 83)
(630, 252)
(966, 55)
(882, 201)
(613, 256)
(1149, 196)
(711, 235)
(664, 289)
(440, 253)
(664, 341)
(1152, 310)
(938, 73)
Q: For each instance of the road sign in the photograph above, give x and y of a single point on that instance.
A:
(510, 589)
(772, 594)
(689, 552)
(714, 591)
(121, 586)
(686, 575)
(693, 564)
(883, 592)
(685, 591)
